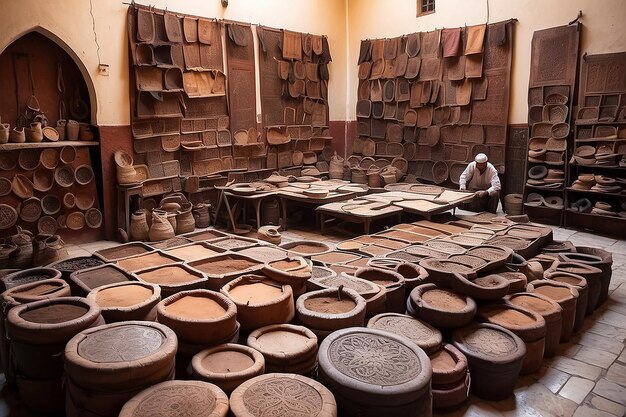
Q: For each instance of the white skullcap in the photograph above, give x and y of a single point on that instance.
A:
(481, 158)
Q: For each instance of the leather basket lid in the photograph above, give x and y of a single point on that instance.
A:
(378, 46)
(145, 25)
(173, 28)
(22, 186)
(413, 43)
(403, 88)
(440, 172)
(390, 49)
(401, 63)
(190, 29)
(413, 67)
(389, 90)
(364, 90)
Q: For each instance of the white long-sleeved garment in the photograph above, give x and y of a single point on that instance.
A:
(472, 179)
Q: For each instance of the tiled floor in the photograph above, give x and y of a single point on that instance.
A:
(587, 378)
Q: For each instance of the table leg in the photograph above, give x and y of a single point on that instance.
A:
(367, 226)
(257, 206)
(230, 212)
(217, 209)
(284, 217)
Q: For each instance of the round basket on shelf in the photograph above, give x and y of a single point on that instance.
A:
(84, 174)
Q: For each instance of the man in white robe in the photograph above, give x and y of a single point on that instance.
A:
(481, 177)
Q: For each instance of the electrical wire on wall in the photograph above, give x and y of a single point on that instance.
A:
(95, 35)
(487, 11)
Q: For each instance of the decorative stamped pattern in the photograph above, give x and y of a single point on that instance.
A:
(282, 397)
(374, 359)
(121, 344)
(182, 401)
(490, 342)
(406, 326)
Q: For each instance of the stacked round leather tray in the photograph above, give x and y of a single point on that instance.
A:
(196, 398)
(590, 273)
(38, 331)
(566, 296)
(422, 334)
(551, 312)
(484, 288)
(580, 283)
(227, 365)
(324, 311)
(392, 377)
(124, 301)
(495, 357)
(173, 278)
(526, 324)
(306, 248)
(260, 301)
(441, 271)
(440, 307)
(287, 348)
(393, 282)
(107, 365)
(283, 395)
(451, 379)
(200, 319)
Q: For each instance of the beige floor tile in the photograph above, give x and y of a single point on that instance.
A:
(537, 400)
(586, 411)
(574, 367)
(614, 319)
(600, 342)
(617, 374)
(601, 329)
(610, 391)
(569, 349)
(596, 357)
(576, 389)
(551, 378)
(622, 357)
(607, 405)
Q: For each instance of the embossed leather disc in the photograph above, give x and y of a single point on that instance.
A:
(378, 367)
(423, 334)
(282, 395)
(188, 398)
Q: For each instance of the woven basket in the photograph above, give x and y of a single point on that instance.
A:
(47, 225)
(28, 159)
(64, 176)
(30, 209)
(359, 176)
(51, 204)
(67, 154)
(93, 218)
(84, 199)
(75, 220)
(83, 174)
(69, 200)
(49, 158)
(43, 179)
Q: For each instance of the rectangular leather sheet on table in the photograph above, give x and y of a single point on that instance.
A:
(554, 54)
(241, 85)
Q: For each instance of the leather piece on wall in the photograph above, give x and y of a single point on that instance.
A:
(554, 53)
(516, 155)
(292, 45)
(242, 85)
(475, 39)
(451, 42)
(602, 74)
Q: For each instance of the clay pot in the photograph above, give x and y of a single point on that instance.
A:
(199, 316)
(17, 135)
(72, 130)
(441, 307)
(485, 288)
(566, 296)
(260, 301)
(331, 309)
(393, 283)
(60, 127)
(549, 310)
(5, 130)
(605, 265)
(185, 221)
(124, 301)
(580, 284)
(450, 377)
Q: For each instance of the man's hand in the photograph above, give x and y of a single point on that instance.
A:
(481, 194)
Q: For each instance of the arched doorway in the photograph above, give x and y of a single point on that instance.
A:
(36, 65)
